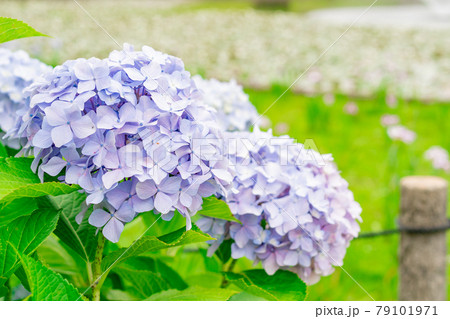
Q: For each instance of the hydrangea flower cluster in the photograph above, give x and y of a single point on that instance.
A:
(234, 110)
(17, 71)
(131, 131)
(295, 209)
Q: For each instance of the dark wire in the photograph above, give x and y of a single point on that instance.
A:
(405, 230)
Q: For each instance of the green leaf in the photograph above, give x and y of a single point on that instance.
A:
(133, 231)
(11, 205)
(39, 190)
(12, 29)
(151, 243)
(3, 151)
(15, 173)
(216, 208)
(189, 263)
(193, 294)
(22, 276)
(79, 237)
(24, 234)
(283, 285)
(63, 260)
(224, 251)
(159, 227)
(211, 263)
(147, 276)
(119, 295)
(244, 296)
(16, 209)
(47, 285)
(4, 291)
(206, 279)
(19, 185)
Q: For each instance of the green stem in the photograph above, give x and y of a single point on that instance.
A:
(230, 269)
(89, 272)
(97, 268)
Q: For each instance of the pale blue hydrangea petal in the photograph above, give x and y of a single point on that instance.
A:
(83, 127)
(125, 213)
(113, 229)
(146, 189)
(54, 166)
(42, 139)
(61, 135)
(163, 202)
(99, 218)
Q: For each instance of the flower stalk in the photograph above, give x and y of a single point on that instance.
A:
(97, 268)
(225, 282)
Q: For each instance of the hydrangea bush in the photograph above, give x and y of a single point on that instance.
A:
(103, 141)
(131, 131)
(17, 71)
(295, 210)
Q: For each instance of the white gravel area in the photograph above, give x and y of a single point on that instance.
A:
(389, 49)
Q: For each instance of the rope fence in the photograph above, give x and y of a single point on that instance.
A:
(422, 225)
(400, 229)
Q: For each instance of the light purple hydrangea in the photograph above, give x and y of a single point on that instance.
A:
(296, 211)
(131, 130)
(17, 71)
(234, 110)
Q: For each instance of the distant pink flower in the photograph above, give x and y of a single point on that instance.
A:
(314, 76)
(281, 128)
(351, 108)
(439, 158)
(263, 122)
(401, 133)
(389, 119)
(329, 99)
(391, 101)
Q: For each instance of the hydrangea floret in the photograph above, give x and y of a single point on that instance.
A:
(17, 71)
(234, 110)
(131, 131)
(295, 209)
